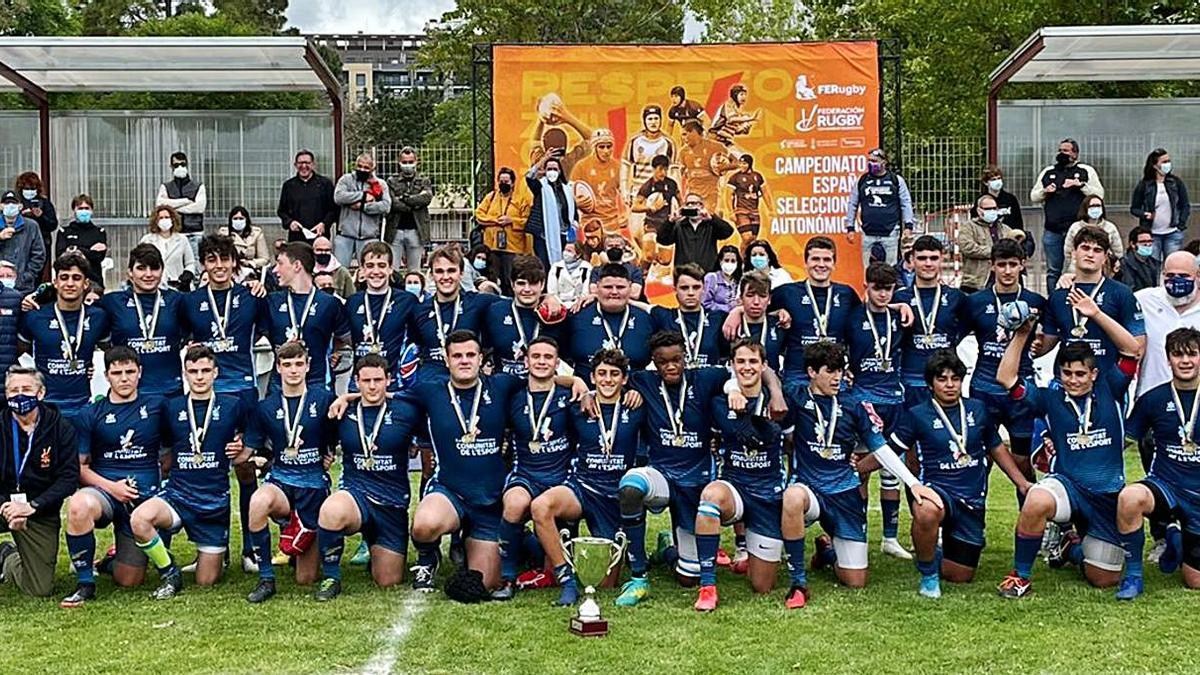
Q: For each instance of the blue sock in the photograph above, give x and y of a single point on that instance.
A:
(1025, 552)
(1075, 554)
(829, 555)
(332, 544)
(245, 492)
(82, 548)
(795, 561)
(927, 567)
(635, 530)
(891, 517)
(531, 549)
(739, 540)
(1173, 554)
(261, 540)
(670, 557)
(427, 552)
(1134, 544)
(564, 575)
(511, 535)
(706, 549)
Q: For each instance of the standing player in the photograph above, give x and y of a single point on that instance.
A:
(754, 298)
(937, 308)
(300, 312)
(733, 119)
(206, 432)
(953, 439)
(658, 199)
(379, 315)
(149, 319)
(704, 161)
(447, 310)
(63, 336)
(511, 326)
(602, 173)
(375, 434)
(119, 442)
(639, 153)
(700, 328)
(606, 446)
(749, 188)
(612, 323)
(301, 439)
(1086, 425)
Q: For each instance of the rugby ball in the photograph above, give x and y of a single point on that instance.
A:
(546, 108)
(585, 198)
(1013, 315)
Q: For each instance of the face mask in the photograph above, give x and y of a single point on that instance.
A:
(1179, 287)
(11, 210)
(415, 289)
(29, 194)
(729, 267)
(568, 257)
(875, 167)
(479, 264)
(83, 215)
(165, 224)
(759, 262)
(1062, 159)
(995, 184)
(362, 176)
(180, 172)
(1164, 168)
(327, 289)
(1094, 212)
(615, 253)
(991, 216)
(323, 258)
(408, 168)
(8, 283)
(552, 175)
(22, 404)
(1145, 251)
(505, 188)
(239, 224)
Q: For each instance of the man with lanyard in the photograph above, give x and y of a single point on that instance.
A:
(937, 325)
(148, 319)
(1171, 490)
(1083, 410)
(611, 324)
(701, 329)
(227, 318)
(606, 446)
(873, 337)
(380, 315)
(300, 312)
(119, 440)
(64, 335)
(756, 325)
(824, 483)
(511, 326)
(468, 420)
(206, 431)
(954, 442)
(678, 433)
(375, 434)
(980, 317)
(449, 309)
(539, 421)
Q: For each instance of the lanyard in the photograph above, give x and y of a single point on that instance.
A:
(691, 341)
(293, 427)
(1187, 423)
(372, 330)
(675, 415)
(959, 436)
(72, 348)
(1085, 417)
(1081, 322)
(826, 430)
(882, 351)
(222, 322)
(929, 322)
(608, 433)
(748, 333)
(20, 460)
(822, 317)
(537, 423)
(147, 326)
(523, 343)
(368, 442)
(198, 433)
(295, 332)
(468, 426)
(613, 341)
(441, 325)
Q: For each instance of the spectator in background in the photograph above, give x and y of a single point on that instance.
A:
(883, 205)
(696, 234)
(618, 250)
(365, 201)
(340, 277)
(1007, 205)
(569, 278)
(479, 271)
(179, 265)
(1092, 212)
(1139, 268)
(1160, 201)
(761, 256)
(85, 237)
(248, 239)
(306, 209)
(1060, 189)
(36, 206)
(414, 282)
(188, 198)
(552, 216)
(975, 239)
(408, 223)
(10, 315)
(20, 243)
(502, 215)
(721, 286)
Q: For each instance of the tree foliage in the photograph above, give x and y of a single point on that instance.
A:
(403, 120)
(36, 17)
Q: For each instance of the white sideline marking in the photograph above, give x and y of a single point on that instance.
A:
(384, 660)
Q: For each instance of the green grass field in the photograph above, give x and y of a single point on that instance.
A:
(1064, 627)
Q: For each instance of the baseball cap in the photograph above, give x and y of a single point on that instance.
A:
(9, 196)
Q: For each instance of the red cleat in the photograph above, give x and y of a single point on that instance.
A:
(531, 579)
(797, 597)
(741, 562)
(707, 601)
(723, 558)
(1014, 586)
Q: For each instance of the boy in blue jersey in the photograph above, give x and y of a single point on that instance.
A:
(1171, 490)
(755, 324)
(953, 440)
(752, 478)
(301, 312)
(1063, 322)
(701, 329)
(448, 309)
(873, 336)
(63, 336)
(149, 319)
(205, 431)
(937, 325)
(979, 317)
(511, 326)
(605, 447)
(120, 437)
(292, 430)
(375, 435)
(380, 315)
(611, 323)
(1083, 411)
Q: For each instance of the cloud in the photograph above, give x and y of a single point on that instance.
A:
(372, 16)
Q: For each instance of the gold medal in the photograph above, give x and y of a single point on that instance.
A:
(369, 464)
(1079, 331)
(468, 437)
(292, 452)
(535, 446)
(677, 441)
(1189, 447)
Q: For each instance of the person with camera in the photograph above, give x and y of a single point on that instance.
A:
(695, 233)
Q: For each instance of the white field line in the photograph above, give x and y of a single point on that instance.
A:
(384, 660)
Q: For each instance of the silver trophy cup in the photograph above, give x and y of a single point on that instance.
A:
(593, 559)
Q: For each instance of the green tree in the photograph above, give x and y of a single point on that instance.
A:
(268, 16)
(114, 17)
(402, 120)
(36, 17)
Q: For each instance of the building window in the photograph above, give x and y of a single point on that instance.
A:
(360, 80)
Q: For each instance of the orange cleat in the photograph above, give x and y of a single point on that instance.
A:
(707, 601)
(797, 597)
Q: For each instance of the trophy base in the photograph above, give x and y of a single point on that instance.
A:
(589, 627)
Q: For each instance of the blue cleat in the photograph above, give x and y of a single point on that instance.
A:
(569, 595)
(362, 556)
(634, 591)
(931, 586)
(1131, 587)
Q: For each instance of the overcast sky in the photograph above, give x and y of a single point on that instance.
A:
(368, 16)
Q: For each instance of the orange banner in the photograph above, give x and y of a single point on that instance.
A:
(804, 114)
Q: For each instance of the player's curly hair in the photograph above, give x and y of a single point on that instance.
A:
(941, 361)
(664, 339)
(825, 354)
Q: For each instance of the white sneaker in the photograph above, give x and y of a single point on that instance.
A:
(249, 564)
(892, 547)
(1160, 545)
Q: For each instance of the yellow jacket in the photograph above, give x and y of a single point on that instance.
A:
(515, 206)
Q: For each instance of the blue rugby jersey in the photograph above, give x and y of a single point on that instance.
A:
(596, 466)
(1114, 299)
(381, 475)
(326, 320)
(679, 447)
(768, 333)
(705, 347)
(508, 328)
(317, 436)
(201, 481)
(228, 322)
(159, 354)
(1175, 460)
(876, 373)
(588, 336)
(826, 467)
(123, 440)
(759, 472)
(467, 312)
(67, 383)
(387, 330)
(925, 336)
(979, 319)
(959, 469)
(544, 454)
(836, 300)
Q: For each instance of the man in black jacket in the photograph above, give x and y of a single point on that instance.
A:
(696, 234)
(39, 468)
(306, 202)
(1139, 267)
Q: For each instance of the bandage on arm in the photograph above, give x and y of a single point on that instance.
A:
(894, 465)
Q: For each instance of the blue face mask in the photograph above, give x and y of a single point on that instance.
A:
(1145, 250)
(1179, 287)
(83, 215)
(22, 404)
(759, 262)
(415, 289)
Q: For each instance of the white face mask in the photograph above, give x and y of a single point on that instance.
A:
(11, 210)
(552, 175)
(1094, 212)
(239, 224)
(8, 283)
(165, 224)
(29, 194)
(180, 172)
(729, 267)
(568, 257)
(991, 216)
(995, 184)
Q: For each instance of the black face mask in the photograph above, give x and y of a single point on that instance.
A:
(505, 188)
(615, 253)
(324, 258)
(327, 289)
(1062, 159)
(361, 175)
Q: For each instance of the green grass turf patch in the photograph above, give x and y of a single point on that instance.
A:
(1065, 626)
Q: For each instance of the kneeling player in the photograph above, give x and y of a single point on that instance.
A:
(751, 483)
(375, 434)
(606, 446)
(302, 439)
(206, 436)
(952, 438)
(1171, 491)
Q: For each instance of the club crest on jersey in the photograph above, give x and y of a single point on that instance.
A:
(126, 439)
(387, 418)
(507, 320)
(203, 305)
(110, 419)
(279, 414)
(143, 413)
(312, 410)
